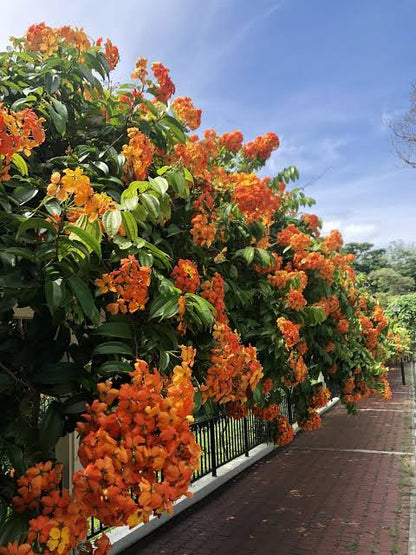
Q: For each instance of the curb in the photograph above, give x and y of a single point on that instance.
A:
(123, 537)
(412, 517)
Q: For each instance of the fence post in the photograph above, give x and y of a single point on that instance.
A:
(289, 407)
(213, 448)
(246, 446)
(402, 369)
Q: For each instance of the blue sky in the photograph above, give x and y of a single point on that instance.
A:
(325, 76)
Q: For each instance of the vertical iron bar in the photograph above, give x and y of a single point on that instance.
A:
(213, 451)
(246, 447)
(403, 374)
(289, 407)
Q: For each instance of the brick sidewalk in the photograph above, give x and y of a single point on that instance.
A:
(327, 493)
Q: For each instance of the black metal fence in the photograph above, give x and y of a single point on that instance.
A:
(223, 439)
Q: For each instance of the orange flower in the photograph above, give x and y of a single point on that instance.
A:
(204, 227)
(295, 300)
(16, 549)
(268, 385)
(289, 330)
(186, 277)
(186, 113)
(232, 141)
(261, 147)
(213, 292)
(140, 71)
(320, 398)
(285, 433)
(254, 198)
(138, 154)
(112, 54)
(130, 283)
(312, 422)
(165, 87)
(234, 368)
(19, 132)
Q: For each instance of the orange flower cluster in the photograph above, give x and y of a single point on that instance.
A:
(140, 70)
(268, 385)
(343, 325)
(299, 242)
(333, 242)
(254, 198)
(61, 523)
(19, 132)
(196, 155)
(283, 237)
(271, 412)
(295, 300)
(285, 433)
(112, 54)
(320, 398)
(261, 147)
(312, 222)
(236, 410)
(289, 330)
(165, 88)
(186, 112)
(316, 261)
(232, 141)
(204, 227)
(76, 187)
(312, 422)
(298, 370)
(234, 368)
(138, 154)
(213, 291)
(130, 283)
(124, 448)
(46, 40)
(186, 276)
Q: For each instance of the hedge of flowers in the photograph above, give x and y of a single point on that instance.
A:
(165, 280)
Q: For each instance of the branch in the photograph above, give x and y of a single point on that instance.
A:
(16, 378)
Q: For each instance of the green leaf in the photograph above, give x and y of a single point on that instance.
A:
(54, 292)
(85, 298)
(85, 237)
(179, 183)
(159, 184)
(130, 225)
(164, 360)
(151, 204)
(112, 220)
(35, 223)
(115, 329)
(24, 193)
(59, 115)
(113, 348)
(20, 164)
(52, 427)
(52, 82)
(164, 307)
(58, 373)
(115, 367)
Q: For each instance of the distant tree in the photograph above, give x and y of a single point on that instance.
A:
(403, 258)
(367, 258)
(404, 133)
(388, 280)
(403, 310)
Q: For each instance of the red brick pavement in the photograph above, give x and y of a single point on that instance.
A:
(311, 497)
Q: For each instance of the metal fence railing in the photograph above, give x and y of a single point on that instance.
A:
(223, 439)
